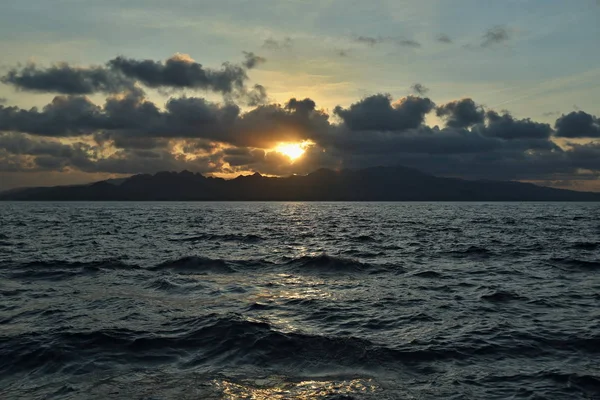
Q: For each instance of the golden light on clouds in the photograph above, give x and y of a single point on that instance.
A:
(293, 150)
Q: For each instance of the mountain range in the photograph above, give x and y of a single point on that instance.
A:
(371, 184)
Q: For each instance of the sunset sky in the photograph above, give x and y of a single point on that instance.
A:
(477, 89)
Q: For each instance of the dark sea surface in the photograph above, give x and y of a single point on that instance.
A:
(299, 301)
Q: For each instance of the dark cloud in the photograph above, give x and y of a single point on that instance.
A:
(408, 43)
(267, 125)
(461, 113)
(128, 162)
(19, 144)
(273, 44)
(243, 156)
(194, 118)
(125, 141)
(198, 146)
(130, 134)
(419, 89)
(131, 116)
(379, 114)
(65, 79)
(257, 96)
(304, 107)
(134, 122)
(49, 155)
(453, 152)
(121, 75)
(495, 35)
(443, 38)
(252, 60)
(65, 116)
(3, 100)
(578, 124)
(86, 158)
(506, 127)
(372, 41)
(551, 113)
(368, 40)
(181, 72)
(342, 53)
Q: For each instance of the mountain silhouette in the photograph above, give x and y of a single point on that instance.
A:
(370, 184)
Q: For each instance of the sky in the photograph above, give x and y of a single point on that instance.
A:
(476, 89)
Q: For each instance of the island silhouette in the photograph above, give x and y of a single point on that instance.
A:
(371, 184)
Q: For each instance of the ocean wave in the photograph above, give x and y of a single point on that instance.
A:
(232, 341)
(362, 253)
(194, 265)
(328, 264)
(211, 339)
(575, 263)
(364, 239)
(502, 296)
(180, 286)
(428, 274)
(250, 238)
(58, 270)
(472, 251)
(163, 284)
(586, 245)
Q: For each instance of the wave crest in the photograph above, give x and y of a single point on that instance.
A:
(194, 265)
(231, 237)
(327, 264)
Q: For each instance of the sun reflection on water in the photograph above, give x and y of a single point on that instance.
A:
(310, 389)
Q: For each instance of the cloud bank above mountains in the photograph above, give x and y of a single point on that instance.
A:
(129, 133)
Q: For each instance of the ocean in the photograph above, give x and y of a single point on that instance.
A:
(299, 300)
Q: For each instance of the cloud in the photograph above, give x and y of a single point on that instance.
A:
(368, 40)
(273, 44)
(132, 121)
(304, 107)
(49, 155)
(267, 125)
(372, 41)
(65, 79)
(443, 38)
(551, 113)
(19, 143)
(64, 116)
(379, 113)
(257, 96)
(122, 74)
(131, 134)
(494, 36)
(3, 100)
(179, 72)
(578, 124)
(252, 60)
(419, 89)
(506, 127)
(461, 113)
(408, 43)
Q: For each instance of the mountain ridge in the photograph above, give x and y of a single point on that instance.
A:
(370, 184)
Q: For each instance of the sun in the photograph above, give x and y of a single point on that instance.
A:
(293, 150)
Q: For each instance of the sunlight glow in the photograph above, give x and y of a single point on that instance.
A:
(275, 388)
(293, 150)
